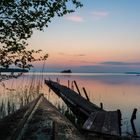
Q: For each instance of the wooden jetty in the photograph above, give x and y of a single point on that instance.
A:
(39, 120)
(97, 120)
(103, 122)
(72, 99)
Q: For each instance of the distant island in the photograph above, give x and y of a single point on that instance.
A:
(66, 71)
(13, 70)
(132, 72)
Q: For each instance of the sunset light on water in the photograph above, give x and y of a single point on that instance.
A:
(69, 69)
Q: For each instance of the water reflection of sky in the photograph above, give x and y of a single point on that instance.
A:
(114, 91)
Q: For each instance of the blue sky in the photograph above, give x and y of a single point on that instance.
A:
(99, 32)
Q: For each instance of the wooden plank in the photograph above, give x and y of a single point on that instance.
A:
(111, 123)
(105, 122)
(17, 135)
(99, 121)
(115, 128)
(87, 125)
(48, 123)
(80, 101)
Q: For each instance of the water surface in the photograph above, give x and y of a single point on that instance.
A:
(115, 91)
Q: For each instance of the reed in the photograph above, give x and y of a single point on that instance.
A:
(66, 111)
(15, 98)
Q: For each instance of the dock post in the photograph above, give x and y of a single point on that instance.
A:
(101, 105)
(72, 87)
(86, 93)
(77, 87)
(119, 120)
(57, 80)
(68, 83)
(133, 117)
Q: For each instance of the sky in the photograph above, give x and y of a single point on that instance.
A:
(102, 36)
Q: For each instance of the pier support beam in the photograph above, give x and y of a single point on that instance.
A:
(86, 93)
(101, 105)
(77, 87)
(133, 117)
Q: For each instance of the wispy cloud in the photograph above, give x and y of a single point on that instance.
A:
(80, 55)
(120, 63)
(75, 18)
(100, 14)
(61, 53)
(97, 15)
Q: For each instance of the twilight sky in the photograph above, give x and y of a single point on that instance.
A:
(104, 34)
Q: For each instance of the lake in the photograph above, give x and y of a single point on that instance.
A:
(115, 91)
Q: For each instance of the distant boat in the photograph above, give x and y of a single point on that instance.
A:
(66, 71)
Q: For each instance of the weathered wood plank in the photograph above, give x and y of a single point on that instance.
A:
(71, 95)
(87, 125)
(99, 121)
(48, 123)
(44, 123)
(105, 122)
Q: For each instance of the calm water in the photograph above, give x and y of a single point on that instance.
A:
(115, 91)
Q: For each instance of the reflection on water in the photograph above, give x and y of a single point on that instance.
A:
(115, 91)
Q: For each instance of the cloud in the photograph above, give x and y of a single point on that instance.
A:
(78, 55)
(75, 18)
(81, 55)
(61, 53)
(100, 14)
(120, 63)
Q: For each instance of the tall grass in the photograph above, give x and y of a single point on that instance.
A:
(14, 98)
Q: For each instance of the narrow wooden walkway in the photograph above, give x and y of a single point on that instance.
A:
(38, 121)
(97, 120)
(72, 98)
(103, 122)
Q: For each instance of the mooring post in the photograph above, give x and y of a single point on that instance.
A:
(86, 93)
(77, 87)
(101, 105)
(57, 80)
(72, 87)
(68, 83)
(133, 117)
(119, 120)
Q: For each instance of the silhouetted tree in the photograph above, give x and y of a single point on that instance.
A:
(18, 19)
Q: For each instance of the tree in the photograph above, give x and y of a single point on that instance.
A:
(19, 18)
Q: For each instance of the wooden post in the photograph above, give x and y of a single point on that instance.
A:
(133, 117)
(77, 87)
(86, 94)
(72, 87)
(68, 83)
(119, 120)
(101, 105)
(57, 80)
